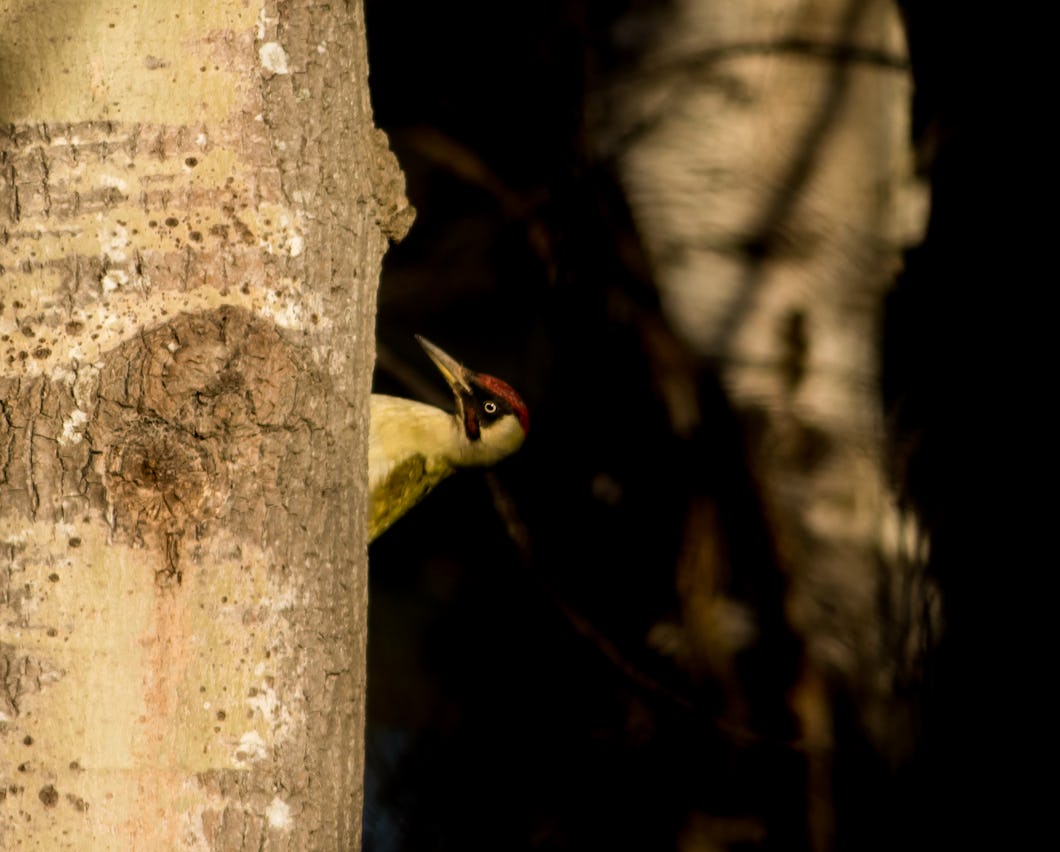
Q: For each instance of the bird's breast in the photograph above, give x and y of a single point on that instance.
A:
(410, 450)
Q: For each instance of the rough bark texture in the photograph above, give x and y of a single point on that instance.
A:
(193, 209)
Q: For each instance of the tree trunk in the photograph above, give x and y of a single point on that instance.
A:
(193, 210)
(765, 150)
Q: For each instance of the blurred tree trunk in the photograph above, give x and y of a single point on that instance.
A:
(765, 152)
(193, 210)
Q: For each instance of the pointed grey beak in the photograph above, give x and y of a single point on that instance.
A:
(455, 373)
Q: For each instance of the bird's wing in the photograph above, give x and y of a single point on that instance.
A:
(404, 485)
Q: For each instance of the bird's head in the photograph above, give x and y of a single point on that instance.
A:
(491, 417)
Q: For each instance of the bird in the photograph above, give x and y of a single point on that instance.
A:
(413, 446)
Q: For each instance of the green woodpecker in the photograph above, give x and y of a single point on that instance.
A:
(414, 446)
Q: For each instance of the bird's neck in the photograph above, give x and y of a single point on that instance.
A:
(402, 428)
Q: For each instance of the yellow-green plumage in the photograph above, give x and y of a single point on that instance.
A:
(408, 455)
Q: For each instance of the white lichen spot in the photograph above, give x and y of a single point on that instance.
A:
(286, 313)
(107, 320)
(266, 702)
(64, 531)
(322, 48)
(63, 375)
(172, 346)
(113, 182)
(263, 23)
(273, 58)
(284, 236)
(73, 426)
(201, 140)
(113, 240)
(278, 813)
(251, 747)
(191, 824)
(49, 677)
(114, 279)
(86, 385)
(286, 599)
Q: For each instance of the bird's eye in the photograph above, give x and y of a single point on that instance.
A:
(490, 407)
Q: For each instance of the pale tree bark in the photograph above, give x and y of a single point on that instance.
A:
(193, 210)
(765, 151)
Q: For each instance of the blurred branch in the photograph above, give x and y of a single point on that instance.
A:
(466, 164)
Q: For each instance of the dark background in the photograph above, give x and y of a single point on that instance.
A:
(513, 703)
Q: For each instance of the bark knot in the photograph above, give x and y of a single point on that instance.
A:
(194, 414)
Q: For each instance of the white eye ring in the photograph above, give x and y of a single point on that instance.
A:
(490, 407)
